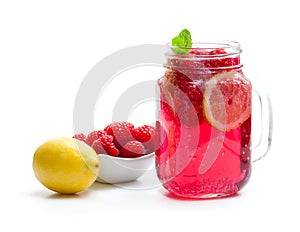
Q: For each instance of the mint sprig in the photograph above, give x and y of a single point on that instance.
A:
(183, 41)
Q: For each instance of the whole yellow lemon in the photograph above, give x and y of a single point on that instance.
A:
(66, 165)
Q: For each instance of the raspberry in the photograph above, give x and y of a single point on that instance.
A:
(220, 61)
(104, 145)
(218, 51)
(186, 96)
(181, 86)
(199, 52)
(145, 134)
(121, 132)
(190, 89)
(132, 149)
(95, 135)
(80, 137)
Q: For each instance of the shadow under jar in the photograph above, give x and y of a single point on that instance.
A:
(204, 124)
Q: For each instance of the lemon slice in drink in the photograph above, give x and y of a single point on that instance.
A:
(227, 100)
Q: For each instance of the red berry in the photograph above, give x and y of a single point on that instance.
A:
(132, 149)
(189, 89)
(121, 132)
(218, 51)
(220, 59)
(95, 135)
(198, 52)
(80, 137)
(98, 147)
(145, 134)
(104, 145)
(186, 96)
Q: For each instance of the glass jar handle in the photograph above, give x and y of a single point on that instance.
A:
(262, 148)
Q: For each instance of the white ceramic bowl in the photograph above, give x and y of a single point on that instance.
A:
(115, 170)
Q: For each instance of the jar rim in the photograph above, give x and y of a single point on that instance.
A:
(210, 44)
(231, 48)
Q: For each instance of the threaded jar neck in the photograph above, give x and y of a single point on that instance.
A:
(214, 55)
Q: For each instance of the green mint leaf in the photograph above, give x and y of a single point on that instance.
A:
(184, 41)
(186, 35)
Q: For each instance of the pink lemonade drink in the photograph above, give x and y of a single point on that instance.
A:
(204, 125)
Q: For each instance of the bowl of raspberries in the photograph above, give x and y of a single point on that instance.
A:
(125, 152)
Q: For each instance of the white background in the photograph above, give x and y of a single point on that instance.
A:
(47, 48)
